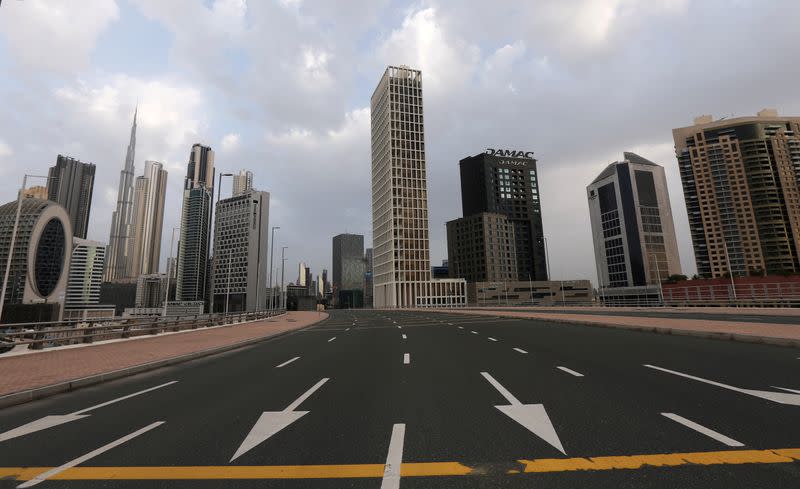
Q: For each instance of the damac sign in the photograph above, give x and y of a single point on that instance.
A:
(510, 153)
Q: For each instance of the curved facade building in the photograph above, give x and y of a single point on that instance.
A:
(40, 263)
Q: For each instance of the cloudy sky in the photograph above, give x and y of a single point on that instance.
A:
(282, 87)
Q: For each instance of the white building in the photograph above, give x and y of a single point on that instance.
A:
(85, 273)
(401, 249)
(242, 182)
(144, 244)
(241, 232)
(632, 226)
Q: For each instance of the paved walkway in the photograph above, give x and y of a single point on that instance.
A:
(788, 334)
(24, 372)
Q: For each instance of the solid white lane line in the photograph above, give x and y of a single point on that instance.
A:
(502, 390)
(287, 362)
(97, 406)
(331, 339)
(702, 429)
(394, 458)
(405, 337)
(570, 371)
(83, 458)
(492, 339)
(306, 395)
(406, 358)
(787, 390)
(779, 397)
(520, 350)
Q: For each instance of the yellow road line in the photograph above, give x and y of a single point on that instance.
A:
(410, 469)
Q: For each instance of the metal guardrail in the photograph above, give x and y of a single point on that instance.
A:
(43, 335)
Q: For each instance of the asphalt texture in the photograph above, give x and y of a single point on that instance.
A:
(445, 402)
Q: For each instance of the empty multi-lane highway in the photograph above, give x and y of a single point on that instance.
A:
(422, 399)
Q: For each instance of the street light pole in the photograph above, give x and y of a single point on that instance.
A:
(216, 218)
(283, 267)
(271, 253)
(658, 277)
(14, 239)
(166, 293)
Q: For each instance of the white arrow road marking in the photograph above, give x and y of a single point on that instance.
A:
(59, 419)
(702, 429)
(83, 458)
(570, 371)
(287, 362)
(531, 416)
(394, 459)
(779, 397)
(271, 422)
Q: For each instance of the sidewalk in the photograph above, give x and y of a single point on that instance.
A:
(768, 333)
(30, 376)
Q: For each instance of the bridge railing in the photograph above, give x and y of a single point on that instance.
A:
(44, 335)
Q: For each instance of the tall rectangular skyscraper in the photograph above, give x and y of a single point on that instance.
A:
(193, 281)
(632, 226)
(70, 183)
(741, 182)
(506, 182)
(150, 192)
(242, 182)
(85, 273)
(348, 262)
(401, 247)
(240, 271)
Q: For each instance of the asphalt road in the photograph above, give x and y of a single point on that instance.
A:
(744, 317)
(421, 389)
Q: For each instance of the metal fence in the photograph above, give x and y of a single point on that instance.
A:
(38, 336)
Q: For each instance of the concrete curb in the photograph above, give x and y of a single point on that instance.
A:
(764, 340)
(22, 397)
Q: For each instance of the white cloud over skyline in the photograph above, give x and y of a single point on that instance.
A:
(282, 88)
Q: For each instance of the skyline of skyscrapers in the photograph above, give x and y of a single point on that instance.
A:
(740, 185)
(632, 227)
(70, 182)
(148, 220)
(116, 266)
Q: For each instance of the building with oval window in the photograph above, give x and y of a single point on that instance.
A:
(37, 281)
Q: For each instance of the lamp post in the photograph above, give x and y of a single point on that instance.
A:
(216, 217)
(730, 271)
(14, 239)
(166, 293)
(658, 277)
(271, 252)
(283, 268)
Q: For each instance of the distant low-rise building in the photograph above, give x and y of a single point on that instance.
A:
(538, 293)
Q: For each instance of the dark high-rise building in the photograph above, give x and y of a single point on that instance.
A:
(506, 182)
(740, 181)
(481, 248)
(70, 183)
(348, 262)
(194, 281)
